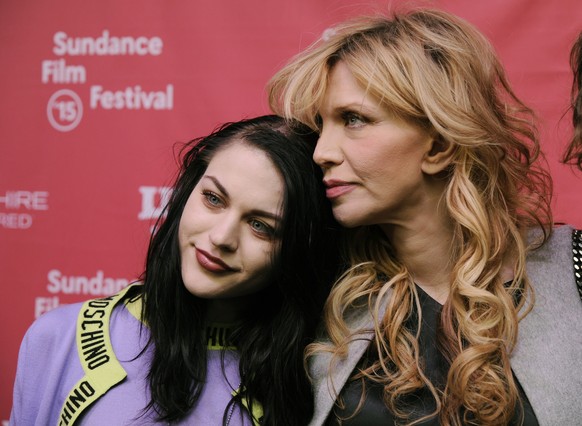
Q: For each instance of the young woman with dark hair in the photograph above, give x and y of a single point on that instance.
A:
(236, 275)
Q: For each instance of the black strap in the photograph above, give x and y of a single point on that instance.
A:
(577, 257)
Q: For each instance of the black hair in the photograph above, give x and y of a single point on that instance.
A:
(272, 337)
(573, 153)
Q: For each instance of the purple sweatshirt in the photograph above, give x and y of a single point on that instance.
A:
(49, 367)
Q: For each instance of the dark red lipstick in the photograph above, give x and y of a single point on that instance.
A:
(212, 263)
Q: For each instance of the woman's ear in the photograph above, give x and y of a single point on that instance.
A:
(439, 156)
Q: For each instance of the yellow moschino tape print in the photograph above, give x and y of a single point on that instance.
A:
(101, 367)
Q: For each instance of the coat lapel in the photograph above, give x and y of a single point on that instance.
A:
(329, 375)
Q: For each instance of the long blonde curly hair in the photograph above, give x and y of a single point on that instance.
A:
(438, 72)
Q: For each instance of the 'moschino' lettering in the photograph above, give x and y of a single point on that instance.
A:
(75, 400)
(93, 346)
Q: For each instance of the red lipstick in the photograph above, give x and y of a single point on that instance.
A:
(212, 263)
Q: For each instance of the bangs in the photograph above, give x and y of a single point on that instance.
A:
(384, 78)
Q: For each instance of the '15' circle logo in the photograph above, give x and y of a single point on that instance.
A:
(64, 110)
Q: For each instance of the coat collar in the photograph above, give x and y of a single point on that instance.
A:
(546, 360)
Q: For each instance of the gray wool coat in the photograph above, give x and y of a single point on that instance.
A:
(547, 360)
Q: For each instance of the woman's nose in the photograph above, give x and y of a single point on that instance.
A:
(225, 234)
(327, 151)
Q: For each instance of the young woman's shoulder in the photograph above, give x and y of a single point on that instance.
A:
(48, 366)
(52, 330)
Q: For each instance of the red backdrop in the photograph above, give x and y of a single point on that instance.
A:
(96, 94)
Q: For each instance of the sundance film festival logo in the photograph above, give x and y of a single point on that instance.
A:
(64, 110)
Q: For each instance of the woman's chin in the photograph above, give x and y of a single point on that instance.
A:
(348, 219)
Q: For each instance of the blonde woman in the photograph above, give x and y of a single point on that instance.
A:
(460, 303)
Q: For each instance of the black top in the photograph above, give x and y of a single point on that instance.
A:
(419, 403)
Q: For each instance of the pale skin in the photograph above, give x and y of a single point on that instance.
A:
(227, 232)
(381, 170)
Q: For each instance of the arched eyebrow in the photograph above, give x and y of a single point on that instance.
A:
(218, 185)
(262, 213)
(254, 212)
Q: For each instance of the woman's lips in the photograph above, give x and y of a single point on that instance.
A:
(211, 263)
(337, 188)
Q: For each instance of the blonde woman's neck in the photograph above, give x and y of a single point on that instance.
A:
(424, 245)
